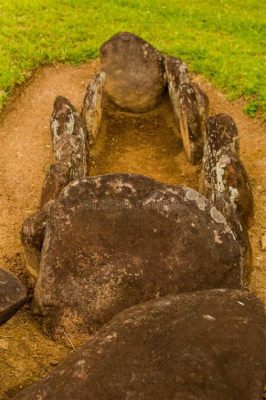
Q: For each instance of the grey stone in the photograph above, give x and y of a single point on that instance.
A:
(69, 141)
(223, 170)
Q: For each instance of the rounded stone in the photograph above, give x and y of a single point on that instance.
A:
(135, 77)
(117, 240)
(199, 345)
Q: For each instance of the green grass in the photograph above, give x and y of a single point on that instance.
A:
(223, 40)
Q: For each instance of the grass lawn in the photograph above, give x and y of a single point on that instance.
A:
(224, 40)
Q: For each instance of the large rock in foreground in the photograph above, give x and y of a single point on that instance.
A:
(117, 240)
(135, 77)
(13, 295)
(202, 345)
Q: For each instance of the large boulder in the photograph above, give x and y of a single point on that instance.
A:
(135, 77)
(201, 345)
(13, 295)
(117, 240)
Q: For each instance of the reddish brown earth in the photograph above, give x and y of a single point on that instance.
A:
(142, 144)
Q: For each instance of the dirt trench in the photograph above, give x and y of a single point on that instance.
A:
(146, 144)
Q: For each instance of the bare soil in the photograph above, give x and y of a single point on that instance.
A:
(147, 144)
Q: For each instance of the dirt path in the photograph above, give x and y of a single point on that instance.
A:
(141, 144)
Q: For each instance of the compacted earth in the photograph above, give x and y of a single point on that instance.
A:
(146, 144)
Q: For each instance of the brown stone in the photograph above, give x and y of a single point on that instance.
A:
(177, 74)
(69, 142)
(200, 345)
(190, 123)
(202, 101)
(222, 134)
(117, 240)
(57, 177)
(32, 236)
(135, 76)
(224, 205)
(93, 106)
(13, 295)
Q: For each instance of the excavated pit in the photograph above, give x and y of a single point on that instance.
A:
(148, 144)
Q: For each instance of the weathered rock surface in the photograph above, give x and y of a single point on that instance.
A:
(190, 123)
(190, 105)
(135, 76)
(93, 107)
(222, 134)
(32, 236)
(223, 171)
(176, 74)
(69, 142)
(202, 102)
(13, 295)
(57, 178)
(117, 240)
(200, 345)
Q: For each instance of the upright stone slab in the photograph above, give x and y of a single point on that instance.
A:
(190, 123)
(202, 102)
(117, 240)
(13, 295)
(222, 135)
(93, 107)
(69, 142)
(200, 345)
(32, 236)
(57, 178)
(177, 74)
(135, 77)
(223, 170)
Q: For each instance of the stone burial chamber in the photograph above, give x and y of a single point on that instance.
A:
(151, 274)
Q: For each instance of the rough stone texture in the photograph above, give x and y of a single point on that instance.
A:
(135, 76)
(222, 134)
(190, 123)
(13, 295)
(202, 101)
(202, 345)
(57, 177)
(177, 74)
(117, 240)
(93, 106)
(32, 237)
(69, 142)
(223, 204)
(223, 171)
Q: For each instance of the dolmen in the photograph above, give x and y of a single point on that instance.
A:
(152, 277)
